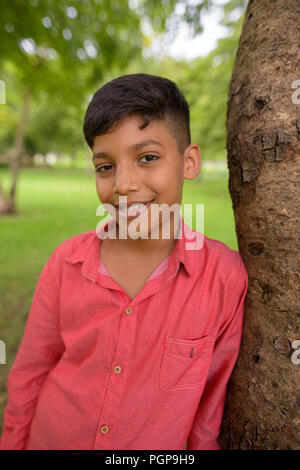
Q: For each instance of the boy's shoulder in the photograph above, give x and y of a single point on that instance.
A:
(220, 251)
(78, 240)
(225, 262)
(74, 247)
(223, 269)
(211, 255)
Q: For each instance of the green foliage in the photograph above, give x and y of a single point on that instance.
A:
(64, 48)
(53, 127)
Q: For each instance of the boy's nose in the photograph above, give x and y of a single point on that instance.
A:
(125, 180)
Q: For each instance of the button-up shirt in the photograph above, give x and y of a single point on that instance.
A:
(99, 370)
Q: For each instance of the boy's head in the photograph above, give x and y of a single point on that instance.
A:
(150, 96)
(138, 129)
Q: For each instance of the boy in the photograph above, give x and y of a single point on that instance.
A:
(130, 341)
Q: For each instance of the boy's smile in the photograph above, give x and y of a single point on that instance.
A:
(145, 165)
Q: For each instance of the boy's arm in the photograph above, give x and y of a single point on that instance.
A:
(39, 351)
(208, 419)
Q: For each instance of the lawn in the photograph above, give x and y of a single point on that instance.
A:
(54, 205)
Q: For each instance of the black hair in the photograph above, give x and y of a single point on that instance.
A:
(150, 96)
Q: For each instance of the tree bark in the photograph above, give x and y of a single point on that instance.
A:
(263, 144)
(8, 204)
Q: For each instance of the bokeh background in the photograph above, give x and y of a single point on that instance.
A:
(54, 54)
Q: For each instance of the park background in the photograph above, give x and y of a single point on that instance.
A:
(53, 56)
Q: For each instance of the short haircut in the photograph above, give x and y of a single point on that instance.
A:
(149, 96)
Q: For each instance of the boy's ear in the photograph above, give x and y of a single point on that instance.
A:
(192, 161)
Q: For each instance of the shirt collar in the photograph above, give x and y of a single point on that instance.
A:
(183, 252)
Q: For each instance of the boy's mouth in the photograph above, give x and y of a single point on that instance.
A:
(133, 209)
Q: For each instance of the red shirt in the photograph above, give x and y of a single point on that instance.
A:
(97, 370)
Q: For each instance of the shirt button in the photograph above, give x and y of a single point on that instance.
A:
(117, 369)
(104, 429)
(128, 311)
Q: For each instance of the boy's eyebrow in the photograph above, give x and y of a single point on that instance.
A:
(144, 143)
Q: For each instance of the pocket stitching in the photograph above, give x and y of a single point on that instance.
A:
(163, 376)
(187, 357)
(208, 342)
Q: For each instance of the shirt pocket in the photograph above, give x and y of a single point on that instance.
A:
(185, 363)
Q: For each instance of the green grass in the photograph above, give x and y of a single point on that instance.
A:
(54, 205)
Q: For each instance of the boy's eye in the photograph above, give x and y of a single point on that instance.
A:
(150, 157)
(103, 168)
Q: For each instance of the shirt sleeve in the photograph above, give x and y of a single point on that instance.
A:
(40, 349)
(208, 419)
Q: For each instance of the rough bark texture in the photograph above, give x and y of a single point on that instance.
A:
(263, 126)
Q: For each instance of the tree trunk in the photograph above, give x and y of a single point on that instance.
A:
(263, 144)
(8, 204)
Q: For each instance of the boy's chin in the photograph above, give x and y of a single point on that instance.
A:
(134, 230)
(143, 230)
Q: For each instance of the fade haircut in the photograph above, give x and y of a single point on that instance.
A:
(150, 96)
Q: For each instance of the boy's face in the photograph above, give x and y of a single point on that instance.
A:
(142, 164)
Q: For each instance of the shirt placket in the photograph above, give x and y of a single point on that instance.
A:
(117, 379)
